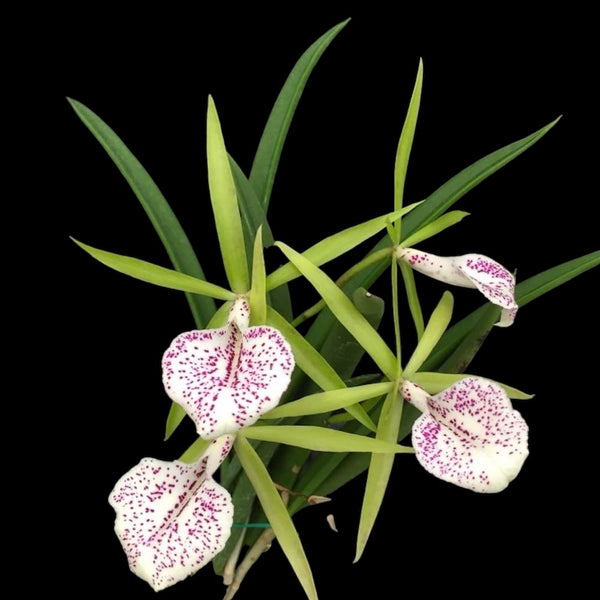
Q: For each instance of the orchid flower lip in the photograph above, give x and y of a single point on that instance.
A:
(226, 378)
(172, 518)
(468, 434)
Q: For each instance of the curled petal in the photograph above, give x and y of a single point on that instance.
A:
(469, 434)
(172, 518)
(495, 282)
(226, 378)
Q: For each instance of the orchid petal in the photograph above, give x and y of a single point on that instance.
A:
(172, 518)
(469, 434)
(442, 268)
(495, 282)
(240, 313)
(227, 378)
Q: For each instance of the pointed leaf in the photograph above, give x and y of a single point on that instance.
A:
(258, 298)
(380, 469)
(251, 210)
(277, 514)
(335, 245)
(313, 364)
(538, 285)
(438, 225)
(329, 401)
(436, 326)
(271, 143)
(405, 145)
(345, 311)
(455, 188)
(150, 273)
(163, 219)
(224, 202)
(322, 439)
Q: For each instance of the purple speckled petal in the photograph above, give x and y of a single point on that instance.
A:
(172, 518)
(226, 378)
(441, 268)
(469, 434)
(240, 313)
(495, 282)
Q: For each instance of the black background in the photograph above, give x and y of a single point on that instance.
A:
(94, 404)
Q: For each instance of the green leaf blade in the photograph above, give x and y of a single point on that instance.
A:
(405, 145)
(266, 160)
(322, 439)
(155, 274)
(436, 326)
(380, 469)
(164, 221)
(455, 188)
(325, 402)
(335, 245)
(277, 514)
(345, 311)
(313, 364)
(226, 211)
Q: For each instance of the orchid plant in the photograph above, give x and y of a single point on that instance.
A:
(267, 386)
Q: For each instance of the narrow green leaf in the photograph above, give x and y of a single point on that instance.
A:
(150, 273)
(345, 311)
(436, 326)
(224, 203)
(438, 225)
(455, 188)
(321, 439)
(277, 514)
(380, 468)
(168, 228)
(542, 283)
(253, 216)
(251, 210)
(340, 349)
(271, 143)
(434, 382)
(307, 357)
(313, 364)
(258, 298)
(324, 402)
(405, 145)
(335, 245)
